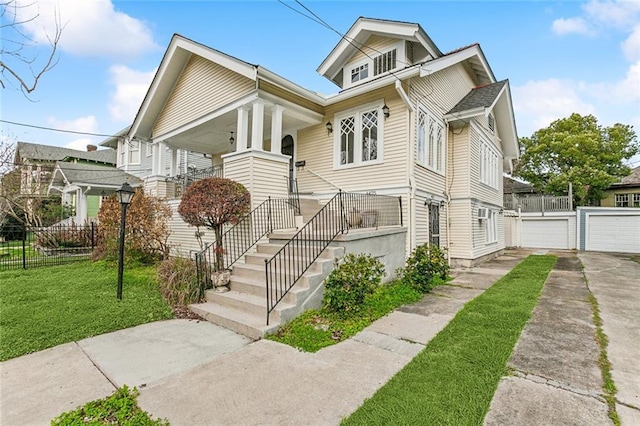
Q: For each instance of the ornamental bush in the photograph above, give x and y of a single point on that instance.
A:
(352, 280)
(178, 281)
(426, 266)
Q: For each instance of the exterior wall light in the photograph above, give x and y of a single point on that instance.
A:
(232, 139)
(329, 127)
(124, 195)
(385, 111)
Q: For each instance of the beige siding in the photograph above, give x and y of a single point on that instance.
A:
(460, 229)
(317, 149)
(459, 163)
(263, 177)
(479, 190)
(182, 238)
(374, 46)
(285, 94)
(203, 87)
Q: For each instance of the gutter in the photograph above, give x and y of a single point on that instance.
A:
(403, 96)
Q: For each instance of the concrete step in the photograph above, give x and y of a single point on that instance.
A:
(249, 270)
(249, 303)
(257, 287)
(250, 325)
(273, 247)
(259, 259)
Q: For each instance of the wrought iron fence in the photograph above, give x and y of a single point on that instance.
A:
(29, 247)
(343, 212)
(240, 238)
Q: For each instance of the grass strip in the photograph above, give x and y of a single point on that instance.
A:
(603, 360)
(121, 408)
(319, 328)
(45, 307)
(452, 381)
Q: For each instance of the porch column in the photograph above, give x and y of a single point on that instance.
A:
(242, 129)
(276, 129)
(174, 168)
(159, 159)
(257, 125)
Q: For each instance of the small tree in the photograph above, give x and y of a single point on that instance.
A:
(212, 203)
(147, 228)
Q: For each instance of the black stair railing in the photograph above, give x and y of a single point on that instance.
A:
(294, 196)
(343, 212)
(271, 214)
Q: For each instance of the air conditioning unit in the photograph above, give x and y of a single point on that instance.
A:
(483, 213)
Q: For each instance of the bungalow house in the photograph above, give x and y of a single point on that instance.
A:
(625, 193)
(37, 164)
(433, 130)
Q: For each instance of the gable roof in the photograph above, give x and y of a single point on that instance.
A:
(361, 30)
(491, 98)
(632, 179)
(37, 152)
(480, 97)
(84, 175)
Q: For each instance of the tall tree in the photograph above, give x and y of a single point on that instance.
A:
(579, 151)
(20, 66)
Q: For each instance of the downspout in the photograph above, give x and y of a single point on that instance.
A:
(412, 184)
(447, 195)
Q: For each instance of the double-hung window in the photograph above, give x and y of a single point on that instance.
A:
(636, 200)
(489, 164)
(622, 200)
(358, 140)
(134, 152)
(431, 141)
(491, 235)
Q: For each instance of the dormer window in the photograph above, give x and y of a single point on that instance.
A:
(359, 73)
(384, 62)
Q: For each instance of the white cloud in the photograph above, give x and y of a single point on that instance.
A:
(79, 144)
(91, 28)
(564, 26)
(87, 124)
(631, 46)
(538, 103)
(131, 86)
(617, 14)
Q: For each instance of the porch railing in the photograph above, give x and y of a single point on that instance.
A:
(183, 180)
(538, 203)
(270, 215)
(343, 212)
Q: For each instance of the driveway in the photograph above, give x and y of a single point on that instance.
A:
(556, 378)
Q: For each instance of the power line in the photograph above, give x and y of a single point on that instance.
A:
(58, 130)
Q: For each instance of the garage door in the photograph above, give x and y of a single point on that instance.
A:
(545, 233)
(615, 233)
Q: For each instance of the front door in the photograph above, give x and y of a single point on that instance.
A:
(287, 149)
(434, 224)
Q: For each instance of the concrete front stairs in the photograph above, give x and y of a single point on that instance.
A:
(243, 308)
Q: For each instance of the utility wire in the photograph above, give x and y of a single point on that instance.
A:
(57, 130)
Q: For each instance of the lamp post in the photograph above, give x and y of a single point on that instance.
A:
(124, 194)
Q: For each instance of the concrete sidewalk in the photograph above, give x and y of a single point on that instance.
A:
(194, 373)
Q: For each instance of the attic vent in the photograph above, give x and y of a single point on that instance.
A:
(384, 62)
(491, 122)
(409, 49)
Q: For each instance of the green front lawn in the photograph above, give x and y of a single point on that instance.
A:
(45, 307)
(452, 381)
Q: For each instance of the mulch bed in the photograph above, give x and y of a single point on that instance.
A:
(183, 312)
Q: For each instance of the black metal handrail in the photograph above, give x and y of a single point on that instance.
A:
(294, 196)
(193, 175)
(271, 214)
(343, 212)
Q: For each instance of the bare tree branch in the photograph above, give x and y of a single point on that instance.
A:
(13, 57)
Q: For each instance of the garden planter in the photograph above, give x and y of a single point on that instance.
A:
(220, 280)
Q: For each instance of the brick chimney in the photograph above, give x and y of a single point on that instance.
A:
(91, 148)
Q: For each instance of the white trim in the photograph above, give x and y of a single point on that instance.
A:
(356, 113)
(265, 155)
(441, 155)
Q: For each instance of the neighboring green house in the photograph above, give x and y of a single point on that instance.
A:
(625, 193)
(84, 185)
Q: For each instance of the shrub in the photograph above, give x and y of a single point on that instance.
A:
(72, 236)
(178, 281)
(147, 229)
(425, 268)
(349, 284)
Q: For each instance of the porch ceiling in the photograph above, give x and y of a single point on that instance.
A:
(212, 136)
